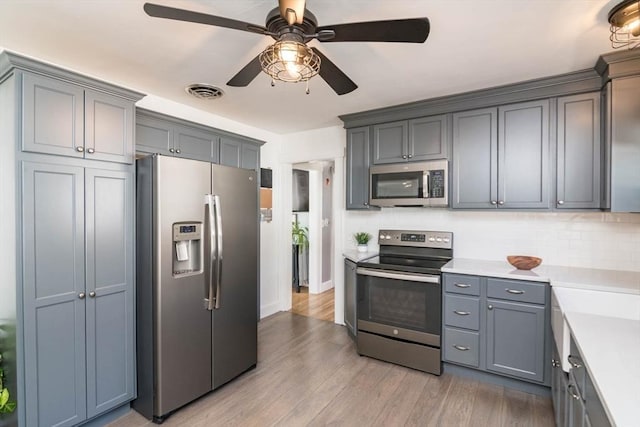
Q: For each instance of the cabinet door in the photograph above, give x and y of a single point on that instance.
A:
(475, 145)
(515, 339)
(390, 143)
(54, 304)
(108, 128)
(358, 168)
(558, 388)
(53, 116)
(153, 136)
(250, 157)
(523, 155)
(196, 144)
(350, 277)
(579, 152)
(428, 138)
(109, 287)
(230, 152)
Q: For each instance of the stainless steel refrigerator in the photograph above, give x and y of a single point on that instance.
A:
(197, 280)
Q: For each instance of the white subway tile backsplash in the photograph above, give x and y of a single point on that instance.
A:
(582, 239)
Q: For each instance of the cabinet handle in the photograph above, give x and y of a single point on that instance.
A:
(92, 294)
(80, 149)
(561, 202)
(91, 150)
(171, 150)
(366, 204)
(404, 157)
(81, 295)
(572, 393)
(462, 313)
(493, 202)
(490, 307)
(461, 285)
(410, 156)
(514, 291)
(460, 347)
(555, 363)
(575, 362)
(178, 151)
(501, 202)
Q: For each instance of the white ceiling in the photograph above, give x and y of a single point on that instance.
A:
(473, 44)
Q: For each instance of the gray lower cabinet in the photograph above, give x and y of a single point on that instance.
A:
(501, 157)
(579, 152)
(410, 140)
(350, 297)
(358, 161)
(559, 383)
(69, 120)
(77, 291)
(497, 325)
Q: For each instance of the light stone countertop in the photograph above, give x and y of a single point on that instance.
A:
(627, 282)
(355, 256)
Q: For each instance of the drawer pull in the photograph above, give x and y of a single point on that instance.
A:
(462, 313)
(514, 291)
(575, 362)
(572, 393)
(461, 347)
(462, 285)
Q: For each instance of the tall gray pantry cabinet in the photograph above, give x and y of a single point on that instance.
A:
(70, 140)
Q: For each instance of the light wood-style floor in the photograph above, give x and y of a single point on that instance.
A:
(318, 306)
(309, 374)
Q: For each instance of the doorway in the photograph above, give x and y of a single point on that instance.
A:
(312, 286)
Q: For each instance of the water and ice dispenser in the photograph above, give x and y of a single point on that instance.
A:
(187, 248)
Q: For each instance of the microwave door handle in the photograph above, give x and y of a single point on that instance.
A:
(426, 183)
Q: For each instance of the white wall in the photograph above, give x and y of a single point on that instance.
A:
(584, 239)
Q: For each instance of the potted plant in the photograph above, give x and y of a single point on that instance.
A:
(6, 406)
(362, 239)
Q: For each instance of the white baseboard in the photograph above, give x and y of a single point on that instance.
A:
(269, 309)
(326, 286)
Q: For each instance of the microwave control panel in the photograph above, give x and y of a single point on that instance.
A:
(436, 188)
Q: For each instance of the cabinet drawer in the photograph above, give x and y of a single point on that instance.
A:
(462, 284)
(461, 346)
(516, 290)
(462, 312)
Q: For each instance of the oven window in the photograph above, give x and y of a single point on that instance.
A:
(400, 303)
(397, 185)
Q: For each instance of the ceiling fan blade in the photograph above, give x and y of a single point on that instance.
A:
(292, 11)
(414, 30)
(159, 11)
(247, 74)
(331, 74)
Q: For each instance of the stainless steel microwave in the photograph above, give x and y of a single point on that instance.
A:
(409, 184)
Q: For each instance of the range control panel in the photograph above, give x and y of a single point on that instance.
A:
(423, 239)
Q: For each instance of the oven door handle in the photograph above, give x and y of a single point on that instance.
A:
(399, 276)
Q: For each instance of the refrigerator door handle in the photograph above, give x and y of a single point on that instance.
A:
(209, 202)
(218, 231)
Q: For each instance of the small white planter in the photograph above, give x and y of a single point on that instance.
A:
(363, 248)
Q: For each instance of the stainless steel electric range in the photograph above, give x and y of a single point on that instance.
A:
(400, 298)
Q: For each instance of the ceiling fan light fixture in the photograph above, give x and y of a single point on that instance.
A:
(625, 24)
(290, 61)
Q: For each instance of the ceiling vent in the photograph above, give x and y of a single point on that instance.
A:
(204, 91)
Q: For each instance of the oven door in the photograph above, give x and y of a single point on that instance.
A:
(399, 305)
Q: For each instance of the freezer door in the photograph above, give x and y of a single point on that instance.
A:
(235, 322)
(182, 323)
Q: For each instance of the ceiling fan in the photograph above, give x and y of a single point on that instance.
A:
(293, 26)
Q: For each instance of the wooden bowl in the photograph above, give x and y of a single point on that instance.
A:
(523, 262)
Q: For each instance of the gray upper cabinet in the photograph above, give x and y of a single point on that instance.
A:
(501, 157)
(65, 119)
(578, 174)
(195, 144)
(78, 292)
(158, 133)
(53, 116)
(239, 154)
(358, 160)
(410, 140)
(475, 159)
